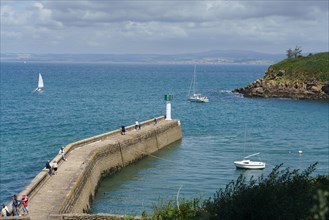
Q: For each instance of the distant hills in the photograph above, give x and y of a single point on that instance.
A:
(209, 57)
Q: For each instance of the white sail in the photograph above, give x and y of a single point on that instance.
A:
(40, 83)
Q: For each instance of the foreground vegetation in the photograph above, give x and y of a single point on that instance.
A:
(283, 194)
(307, 69)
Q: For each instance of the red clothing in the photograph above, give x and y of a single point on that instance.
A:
(25, 201)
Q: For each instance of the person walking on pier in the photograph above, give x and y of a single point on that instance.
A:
(25, 201)
(62, 153)
(155, 121)
(137, 126)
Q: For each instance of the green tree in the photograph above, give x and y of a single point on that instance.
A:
(290, 53)
(297, 51)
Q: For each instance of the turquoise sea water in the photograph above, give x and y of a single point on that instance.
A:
(82, 100)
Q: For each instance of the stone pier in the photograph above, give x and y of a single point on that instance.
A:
(71, 190)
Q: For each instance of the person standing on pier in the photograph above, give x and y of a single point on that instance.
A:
(25, 201)
(62, 153)
(15, 205)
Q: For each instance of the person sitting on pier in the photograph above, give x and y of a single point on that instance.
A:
(48, 166)
(54, 167)
(123, 130)
(4, 211)
(155, 121)
(137, 126)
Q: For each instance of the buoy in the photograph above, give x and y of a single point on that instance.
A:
(300, 151)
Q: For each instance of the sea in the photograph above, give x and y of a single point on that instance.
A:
(83, 100)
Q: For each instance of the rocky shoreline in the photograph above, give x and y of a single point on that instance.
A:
(270, 88)
(292, 78)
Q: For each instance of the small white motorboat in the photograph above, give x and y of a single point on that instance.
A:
(248, 164)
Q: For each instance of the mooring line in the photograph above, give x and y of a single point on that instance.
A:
(160, 158)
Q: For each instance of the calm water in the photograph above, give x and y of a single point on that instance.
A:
(82, 100)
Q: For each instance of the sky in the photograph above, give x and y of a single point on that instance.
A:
(162, 27)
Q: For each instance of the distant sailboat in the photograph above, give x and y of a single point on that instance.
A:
(195, 97)
(40, 84)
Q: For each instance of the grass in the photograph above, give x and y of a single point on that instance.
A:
(307, 69)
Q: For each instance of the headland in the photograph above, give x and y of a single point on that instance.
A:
(296, 78)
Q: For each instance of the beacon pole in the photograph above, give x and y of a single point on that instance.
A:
(168, 99)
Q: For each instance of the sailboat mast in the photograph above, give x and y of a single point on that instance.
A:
(245, 137)
(194, 80)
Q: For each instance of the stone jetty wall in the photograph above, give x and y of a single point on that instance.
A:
(112, 158)
(106, 153)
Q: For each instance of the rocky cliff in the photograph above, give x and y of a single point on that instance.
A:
(296, 78)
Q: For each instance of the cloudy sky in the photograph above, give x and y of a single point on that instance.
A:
(162, 27)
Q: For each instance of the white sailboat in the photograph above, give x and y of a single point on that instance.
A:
(40, 84)
(195, 97)
(249, 164)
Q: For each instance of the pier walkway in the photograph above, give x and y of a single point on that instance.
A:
(55, 189)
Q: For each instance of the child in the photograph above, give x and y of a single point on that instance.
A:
(25, 200)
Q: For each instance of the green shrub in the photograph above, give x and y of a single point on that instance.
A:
(188, 210)
(284, 194)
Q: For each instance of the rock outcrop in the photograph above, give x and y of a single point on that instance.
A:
(271, 88)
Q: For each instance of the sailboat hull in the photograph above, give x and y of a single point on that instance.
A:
(198, 100)
(251, 165)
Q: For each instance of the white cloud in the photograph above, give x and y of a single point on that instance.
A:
(88, 26)
(10, 16)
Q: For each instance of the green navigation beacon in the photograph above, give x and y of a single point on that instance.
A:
(168, 98)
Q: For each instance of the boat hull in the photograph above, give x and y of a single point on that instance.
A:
(249, 165)
(198, 100)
